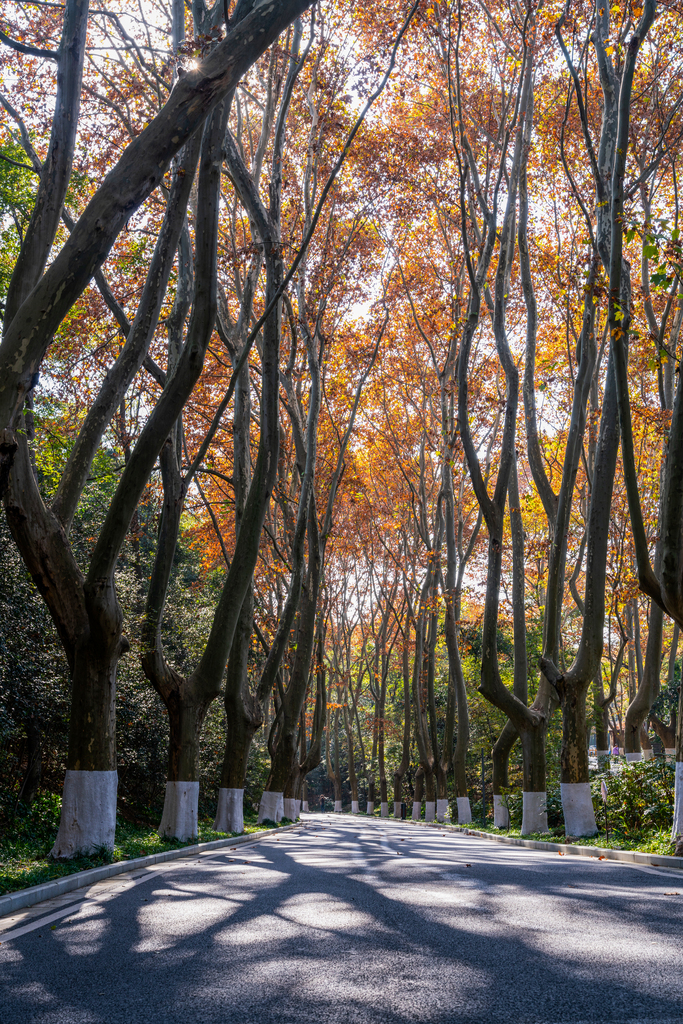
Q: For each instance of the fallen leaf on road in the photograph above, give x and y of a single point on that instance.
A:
(601, 858)
(468, 865)
(672, 894)
(560, 853)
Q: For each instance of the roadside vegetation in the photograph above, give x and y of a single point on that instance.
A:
(30, 835)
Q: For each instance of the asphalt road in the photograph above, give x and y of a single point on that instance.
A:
(353, 920)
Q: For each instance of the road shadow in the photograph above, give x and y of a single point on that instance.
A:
(508, 939)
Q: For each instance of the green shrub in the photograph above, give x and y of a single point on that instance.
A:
(640, 796)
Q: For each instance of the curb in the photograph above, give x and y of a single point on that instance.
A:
(58, 886)
(660, 860)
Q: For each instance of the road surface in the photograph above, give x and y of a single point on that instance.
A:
(346, 919)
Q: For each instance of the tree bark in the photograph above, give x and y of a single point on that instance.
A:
(405, 748)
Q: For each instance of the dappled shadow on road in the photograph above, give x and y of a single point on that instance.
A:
(331, 924)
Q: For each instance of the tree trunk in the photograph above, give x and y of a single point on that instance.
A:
(666, 733)
(381, 763)
(501, 757)
(677, 825)
(405, 749)
(648, 689)
(430, 796)
(573, 687)
(243, 716)
(506, 740)
(337, 770)
(285, 751)
(370, 805)
(419, 793)
(88, 818)
(600, 718)
(353, 778)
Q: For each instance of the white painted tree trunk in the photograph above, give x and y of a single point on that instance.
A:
(384, 809)
(417, 810)
(442, 810)
(577, 807)
(501, 815)
(604, 753)
(430, 810)
(304, 806)
(230, 811)
(635, 755)
(354, 807)
(271, 806)
(290, 808)
(337, 807)
(88, 819)
(180, 819)
(370, 807)
(464, 810)
(648, 754)
(677, 827)
(397, 808)
(534, 813)
(670, 751)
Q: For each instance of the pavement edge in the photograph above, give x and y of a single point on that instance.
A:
(58, 886)
(655, 860)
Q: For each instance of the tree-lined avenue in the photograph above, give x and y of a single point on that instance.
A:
(344, 919)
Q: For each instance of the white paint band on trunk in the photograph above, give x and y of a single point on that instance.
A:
(621, 752)
(677, 827)
(464, 810)
(354, 807)
(370, 807)
(633, 755)
(88, 818)
(271, 806)
(604, 753)
(180, 819)
(384, 809)
(397, 808)
(648, 753)
(417, 810)
(670, 751)
(290, 808)
(337, 807)
(534, 813)
(304, 806)
(230, 811)
(442, 810)
(501, 815)
(577, 807)
(430, 810)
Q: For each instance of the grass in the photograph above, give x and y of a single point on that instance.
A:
(642, 842)
(27, 839)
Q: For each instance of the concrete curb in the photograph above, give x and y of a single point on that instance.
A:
(58, 886)
(659, 860)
